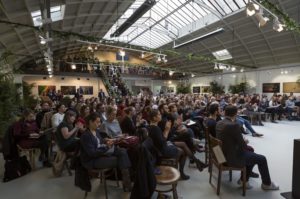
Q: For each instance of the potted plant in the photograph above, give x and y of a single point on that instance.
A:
(9, 96)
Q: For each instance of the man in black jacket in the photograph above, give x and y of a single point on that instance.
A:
(234, 149)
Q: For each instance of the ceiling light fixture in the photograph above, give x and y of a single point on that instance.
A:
(164, 59)
(73, 66)
(193, 75)
(277, 25)
(233, 68)
(251, 8)
(262, 21)
(158, 58)
(242, 70)
(143, 55)
(171, 73)
(122, 53)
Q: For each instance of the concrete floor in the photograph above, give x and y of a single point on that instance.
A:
(276, 145)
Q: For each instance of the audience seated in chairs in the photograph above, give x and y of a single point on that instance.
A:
(100, 153)
(178, 150)
(28, 135)
(235, 149)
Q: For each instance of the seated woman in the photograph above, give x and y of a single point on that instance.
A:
(128, 126)
(66, 133)
(167, 148)
(99, 153)
(111, 126)
(28, 135)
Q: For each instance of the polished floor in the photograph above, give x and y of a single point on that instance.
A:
(276, 145)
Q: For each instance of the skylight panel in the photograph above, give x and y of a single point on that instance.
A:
(56, 12)
(166, 24)
(222, 54)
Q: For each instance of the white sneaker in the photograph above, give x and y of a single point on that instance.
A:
(248, 186)
(272, 186)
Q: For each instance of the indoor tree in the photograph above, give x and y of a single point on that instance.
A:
(216, 88)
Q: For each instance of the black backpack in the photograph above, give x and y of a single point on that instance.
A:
(16, 168)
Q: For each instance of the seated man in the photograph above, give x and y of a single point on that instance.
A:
(234, 149)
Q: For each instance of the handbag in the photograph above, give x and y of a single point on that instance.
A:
(129, 142)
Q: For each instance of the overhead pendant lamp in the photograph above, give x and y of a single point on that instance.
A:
(262, 21)
(251, 8)
(277, 25)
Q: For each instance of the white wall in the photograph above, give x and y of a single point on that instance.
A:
(58, 82)
(155, 85)
(255, 78)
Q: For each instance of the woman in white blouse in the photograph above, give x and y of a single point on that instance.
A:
(58, 117)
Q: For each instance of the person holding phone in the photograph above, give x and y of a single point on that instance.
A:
(98, 152)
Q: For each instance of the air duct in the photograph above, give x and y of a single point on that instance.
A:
(147, 5)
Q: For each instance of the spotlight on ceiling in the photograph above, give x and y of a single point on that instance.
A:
(216, 66)
(158, 58)
(122, 53)
(277, 25)
(251, 8)
(233, 68)
(73, 66)
(164, 59)
(262, 21)
(171, 73)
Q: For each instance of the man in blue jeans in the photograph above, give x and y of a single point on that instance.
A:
(234, 149)
(241, 121)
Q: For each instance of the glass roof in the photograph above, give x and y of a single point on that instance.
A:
(56, 12)
(168, 20)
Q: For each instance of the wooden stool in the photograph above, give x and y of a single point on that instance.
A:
(31, 154)
(168, 176)
(172, 162)
(102, 176)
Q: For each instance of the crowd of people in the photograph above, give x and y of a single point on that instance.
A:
(93, 129)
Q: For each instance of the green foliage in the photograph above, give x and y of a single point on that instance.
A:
(216, 88)
(9, 96)
(290, 24)
(183, 89)
(242, 87)
(66, 101)
(29, 101)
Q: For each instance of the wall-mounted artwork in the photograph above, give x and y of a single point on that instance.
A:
(204, 89)
(45, 89)
(68, 90)
(271, 88)
(291, 87)
(86, 90)
(196, 89)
